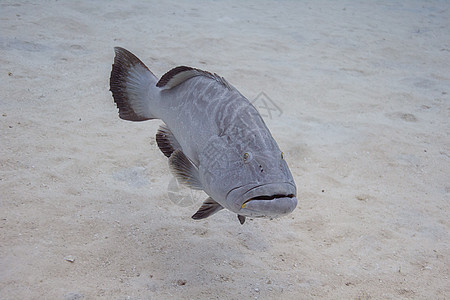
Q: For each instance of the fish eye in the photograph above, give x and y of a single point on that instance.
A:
(247, 156)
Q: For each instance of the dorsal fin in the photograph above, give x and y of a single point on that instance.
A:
(176, 76)
(180, 74)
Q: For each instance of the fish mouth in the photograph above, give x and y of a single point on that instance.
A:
(265, 197)
(267, 200)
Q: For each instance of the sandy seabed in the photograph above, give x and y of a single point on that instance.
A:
(358, 97)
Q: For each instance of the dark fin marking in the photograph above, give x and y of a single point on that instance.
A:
(208, 208)
(176, 76)
(129, 83)
(241, 219)
(185, 170)
(166, 141)
(180, 74)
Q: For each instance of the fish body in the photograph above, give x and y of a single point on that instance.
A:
(214, 137)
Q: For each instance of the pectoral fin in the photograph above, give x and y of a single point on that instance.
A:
(185, 171)
(241, 219)
(208, 208)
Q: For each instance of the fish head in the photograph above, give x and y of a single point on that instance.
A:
(270, 190)
(250, 181)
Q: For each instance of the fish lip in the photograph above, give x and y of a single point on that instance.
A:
(258, 186)
(273, 191)
(267, 197)
(272, 208)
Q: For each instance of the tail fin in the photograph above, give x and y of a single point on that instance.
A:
(130, 84)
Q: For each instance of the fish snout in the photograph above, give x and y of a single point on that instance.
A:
(269, 200)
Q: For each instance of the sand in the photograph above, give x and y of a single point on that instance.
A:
(360, 105)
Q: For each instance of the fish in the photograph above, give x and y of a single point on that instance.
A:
(214, 138)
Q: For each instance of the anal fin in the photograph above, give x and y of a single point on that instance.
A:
(185, 170)
(166, 141)
(208, 208)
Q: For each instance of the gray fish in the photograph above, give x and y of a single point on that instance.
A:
(215, 139)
